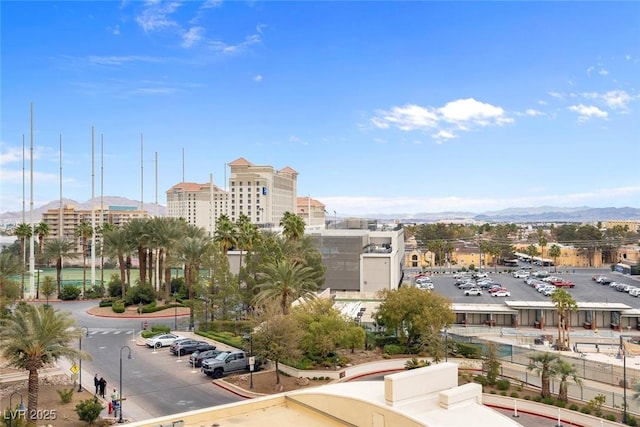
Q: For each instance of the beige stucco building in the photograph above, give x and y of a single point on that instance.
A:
(312, 212)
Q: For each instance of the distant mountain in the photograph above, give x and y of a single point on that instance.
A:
(16, 216)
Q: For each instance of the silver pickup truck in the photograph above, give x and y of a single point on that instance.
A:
(228, 362)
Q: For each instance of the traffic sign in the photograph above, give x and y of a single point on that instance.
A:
(74, 368)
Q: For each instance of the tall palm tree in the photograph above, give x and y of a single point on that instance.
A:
(167, 232)
(247, 234)
(543, 364)
(565, 370)
(226, 233)
(42, 231)
(193, 251)
(138, 232)
(554, 252)
(565, 304)
(23, 232)
(117, 246)
(84, 231)
(34, 337)
(57, 249)
(285, 281)
(101, 230)
(292, 226)
(9, 266)
(542, 242)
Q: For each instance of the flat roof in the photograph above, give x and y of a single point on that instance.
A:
(545, 305)
(482, 308)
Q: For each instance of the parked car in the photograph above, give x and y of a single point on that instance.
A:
(188, 346)
(479, 275)
(473, 291)
(604, 280)
(425, 285)
(161, 340)
(635, 292)
(502, 293)
(467, 285)
(197, 357)
(541, 273)
(520, 274)
(497, 289)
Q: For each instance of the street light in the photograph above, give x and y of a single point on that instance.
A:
(120, 420)
(251, 366)
(21, 409)
(624, 381)
(80, 357)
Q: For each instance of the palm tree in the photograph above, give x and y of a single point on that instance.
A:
(34, 337)
(23, 232)
(565, 304)
(543, 365)
(9, 266)
(565, 370)
(286, 281)
(193, 252)
(247, 234)
(58, 249)
(139, 237)
(554, 252)
(292, 226)
(84, 232)
(117, 246)
(101, 230)
(167, 232)
(226, 233)
(42, 231)
(542, 242)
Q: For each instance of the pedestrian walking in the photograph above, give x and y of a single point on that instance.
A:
(103, 386)
(114, 397)
(96, 382)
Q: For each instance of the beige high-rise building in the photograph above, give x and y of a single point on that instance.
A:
(260, 192)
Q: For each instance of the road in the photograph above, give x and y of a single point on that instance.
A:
(154, 383)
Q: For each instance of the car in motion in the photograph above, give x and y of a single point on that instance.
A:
(161, 340)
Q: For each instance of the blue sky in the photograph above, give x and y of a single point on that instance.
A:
(381, 107)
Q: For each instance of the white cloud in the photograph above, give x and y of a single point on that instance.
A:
(556, 95)
(443, 134)
(225, 48)
(12, 155)
(587, 112)
(627, 57)
(603, 72)
(114, 30)
(533, 113)
(120, 60)
(192, 36)
(156, 16)
(616, 99)
(257, 78)
(407, 118)
(470, 110)
(590, 70)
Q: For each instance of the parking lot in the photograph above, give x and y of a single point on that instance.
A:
(585, 290)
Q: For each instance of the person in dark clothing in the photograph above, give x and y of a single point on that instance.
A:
(96, 382)
(103, 386)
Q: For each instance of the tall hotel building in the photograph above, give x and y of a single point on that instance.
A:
(259, 192)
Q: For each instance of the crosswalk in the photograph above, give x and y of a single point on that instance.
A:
(110, 331)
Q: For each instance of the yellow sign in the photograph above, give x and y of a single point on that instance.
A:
(74, 368)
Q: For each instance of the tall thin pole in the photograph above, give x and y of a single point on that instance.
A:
(624, 381)
(211, 221)
(156, 176)
(102, 208)
(32, 261)
(93, 213)
(24, 198)
(60, 225)
(141, 174)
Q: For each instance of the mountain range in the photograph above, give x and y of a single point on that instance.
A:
(516, 215)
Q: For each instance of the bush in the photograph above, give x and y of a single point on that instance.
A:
(503, 393)
(515, 394)
(107, 302)
(65, 394)
(395, 349)
(142, 293)
(503, 384)
(631, 420)
(69, 292)
(537, 399)
(610, 417)
(527, 397)
(481, 380)
(548, 400)
(114, 287)
(585, 410)
(560, 403)
(89, 410)
(573, 407)
(469, 351)
(96, 291)
(118, 306)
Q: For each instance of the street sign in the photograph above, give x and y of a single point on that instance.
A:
(252, 360)
(74, 368)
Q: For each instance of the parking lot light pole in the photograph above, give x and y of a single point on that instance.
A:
(19, 412)
(83, 328)
(120, 419)
(623, 353)
(175, 311)
(251, 367)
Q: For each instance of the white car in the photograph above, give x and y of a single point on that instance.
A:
(520, 274)
(426, 286)
(161, 340)
(502, 294)
(635, 292)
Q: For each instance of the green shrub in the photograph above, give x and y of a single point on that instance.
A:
(585, 410)
(537, 399)
(155, 330)
(631, 420)
(89, 410)
(503, 384)
(96, 291)
(560, 403)
(65, 394)
(527, 397)
(69, 293)
(114, 287)
(395, 349)
(503, 393)
(415, 363)
(610, 417)
(514, 394)
(142, 293)
(383, 340)
(482, 380)
(573, 407)
(107, 302)
(492, 392)
(469, 351)
(549, 400)
(118, 306)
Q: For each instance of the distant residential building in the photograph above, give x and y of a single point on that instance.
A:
(312, 212)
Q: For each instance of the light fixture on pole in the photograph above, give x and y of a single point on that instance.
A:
(120, 419)
(20, 412)
(175, 311)
(82, 328)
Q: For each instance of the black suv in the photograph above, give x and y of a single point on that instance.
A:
(189, 346)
